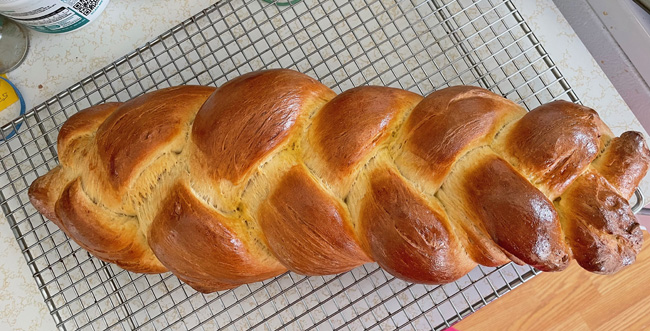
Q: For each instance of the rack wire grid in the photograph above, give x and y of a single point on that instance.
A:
(417, 45)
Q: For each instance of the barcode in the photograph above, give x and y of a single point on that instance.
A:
(86, 7)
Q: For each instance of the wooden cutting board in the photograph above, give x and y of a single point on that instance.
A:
(573, 300)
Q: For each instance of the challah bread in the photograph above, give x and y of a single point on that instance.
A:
(273, 171)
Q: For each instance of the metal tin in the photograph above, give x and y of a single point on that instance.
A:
(14, 43)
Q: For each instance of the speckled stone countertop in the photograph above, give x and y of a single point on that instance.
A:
(56, 62)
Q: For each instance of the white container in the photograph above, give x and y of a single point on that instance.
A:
(53, 16)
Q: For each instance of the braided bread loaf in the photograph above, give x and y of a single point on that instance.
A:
(274, 171)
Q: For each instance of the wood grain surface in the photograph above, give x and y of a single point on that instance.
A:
(573, 300)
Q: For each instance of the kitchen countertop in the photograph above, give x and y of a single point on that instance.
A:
(56, 62)
(573, 299)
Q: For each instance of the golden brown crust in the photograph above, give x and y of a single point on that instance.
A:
(554, 143)
(599, 226)
(307, 230)
(227, 185)
(250, 116)
(624, 162)
(83, 123)
(111, 237)
(408, 236)
(448, 123)
(355, 122)
(207, 286)
(135, 131)
(45, 191)
(518, 217)
(473, 235)
(195, 243)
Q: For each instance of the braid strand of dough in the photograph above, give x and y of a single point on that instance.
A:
(273, 171)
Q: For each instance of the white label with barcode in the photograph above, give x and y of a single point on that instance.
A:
(54, 16)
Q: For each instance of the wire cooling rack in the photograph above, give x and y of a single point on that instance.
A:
(416, 45)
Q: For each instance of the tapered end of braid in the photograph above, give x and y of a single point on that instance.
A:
(599, 226)
(624, 162)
